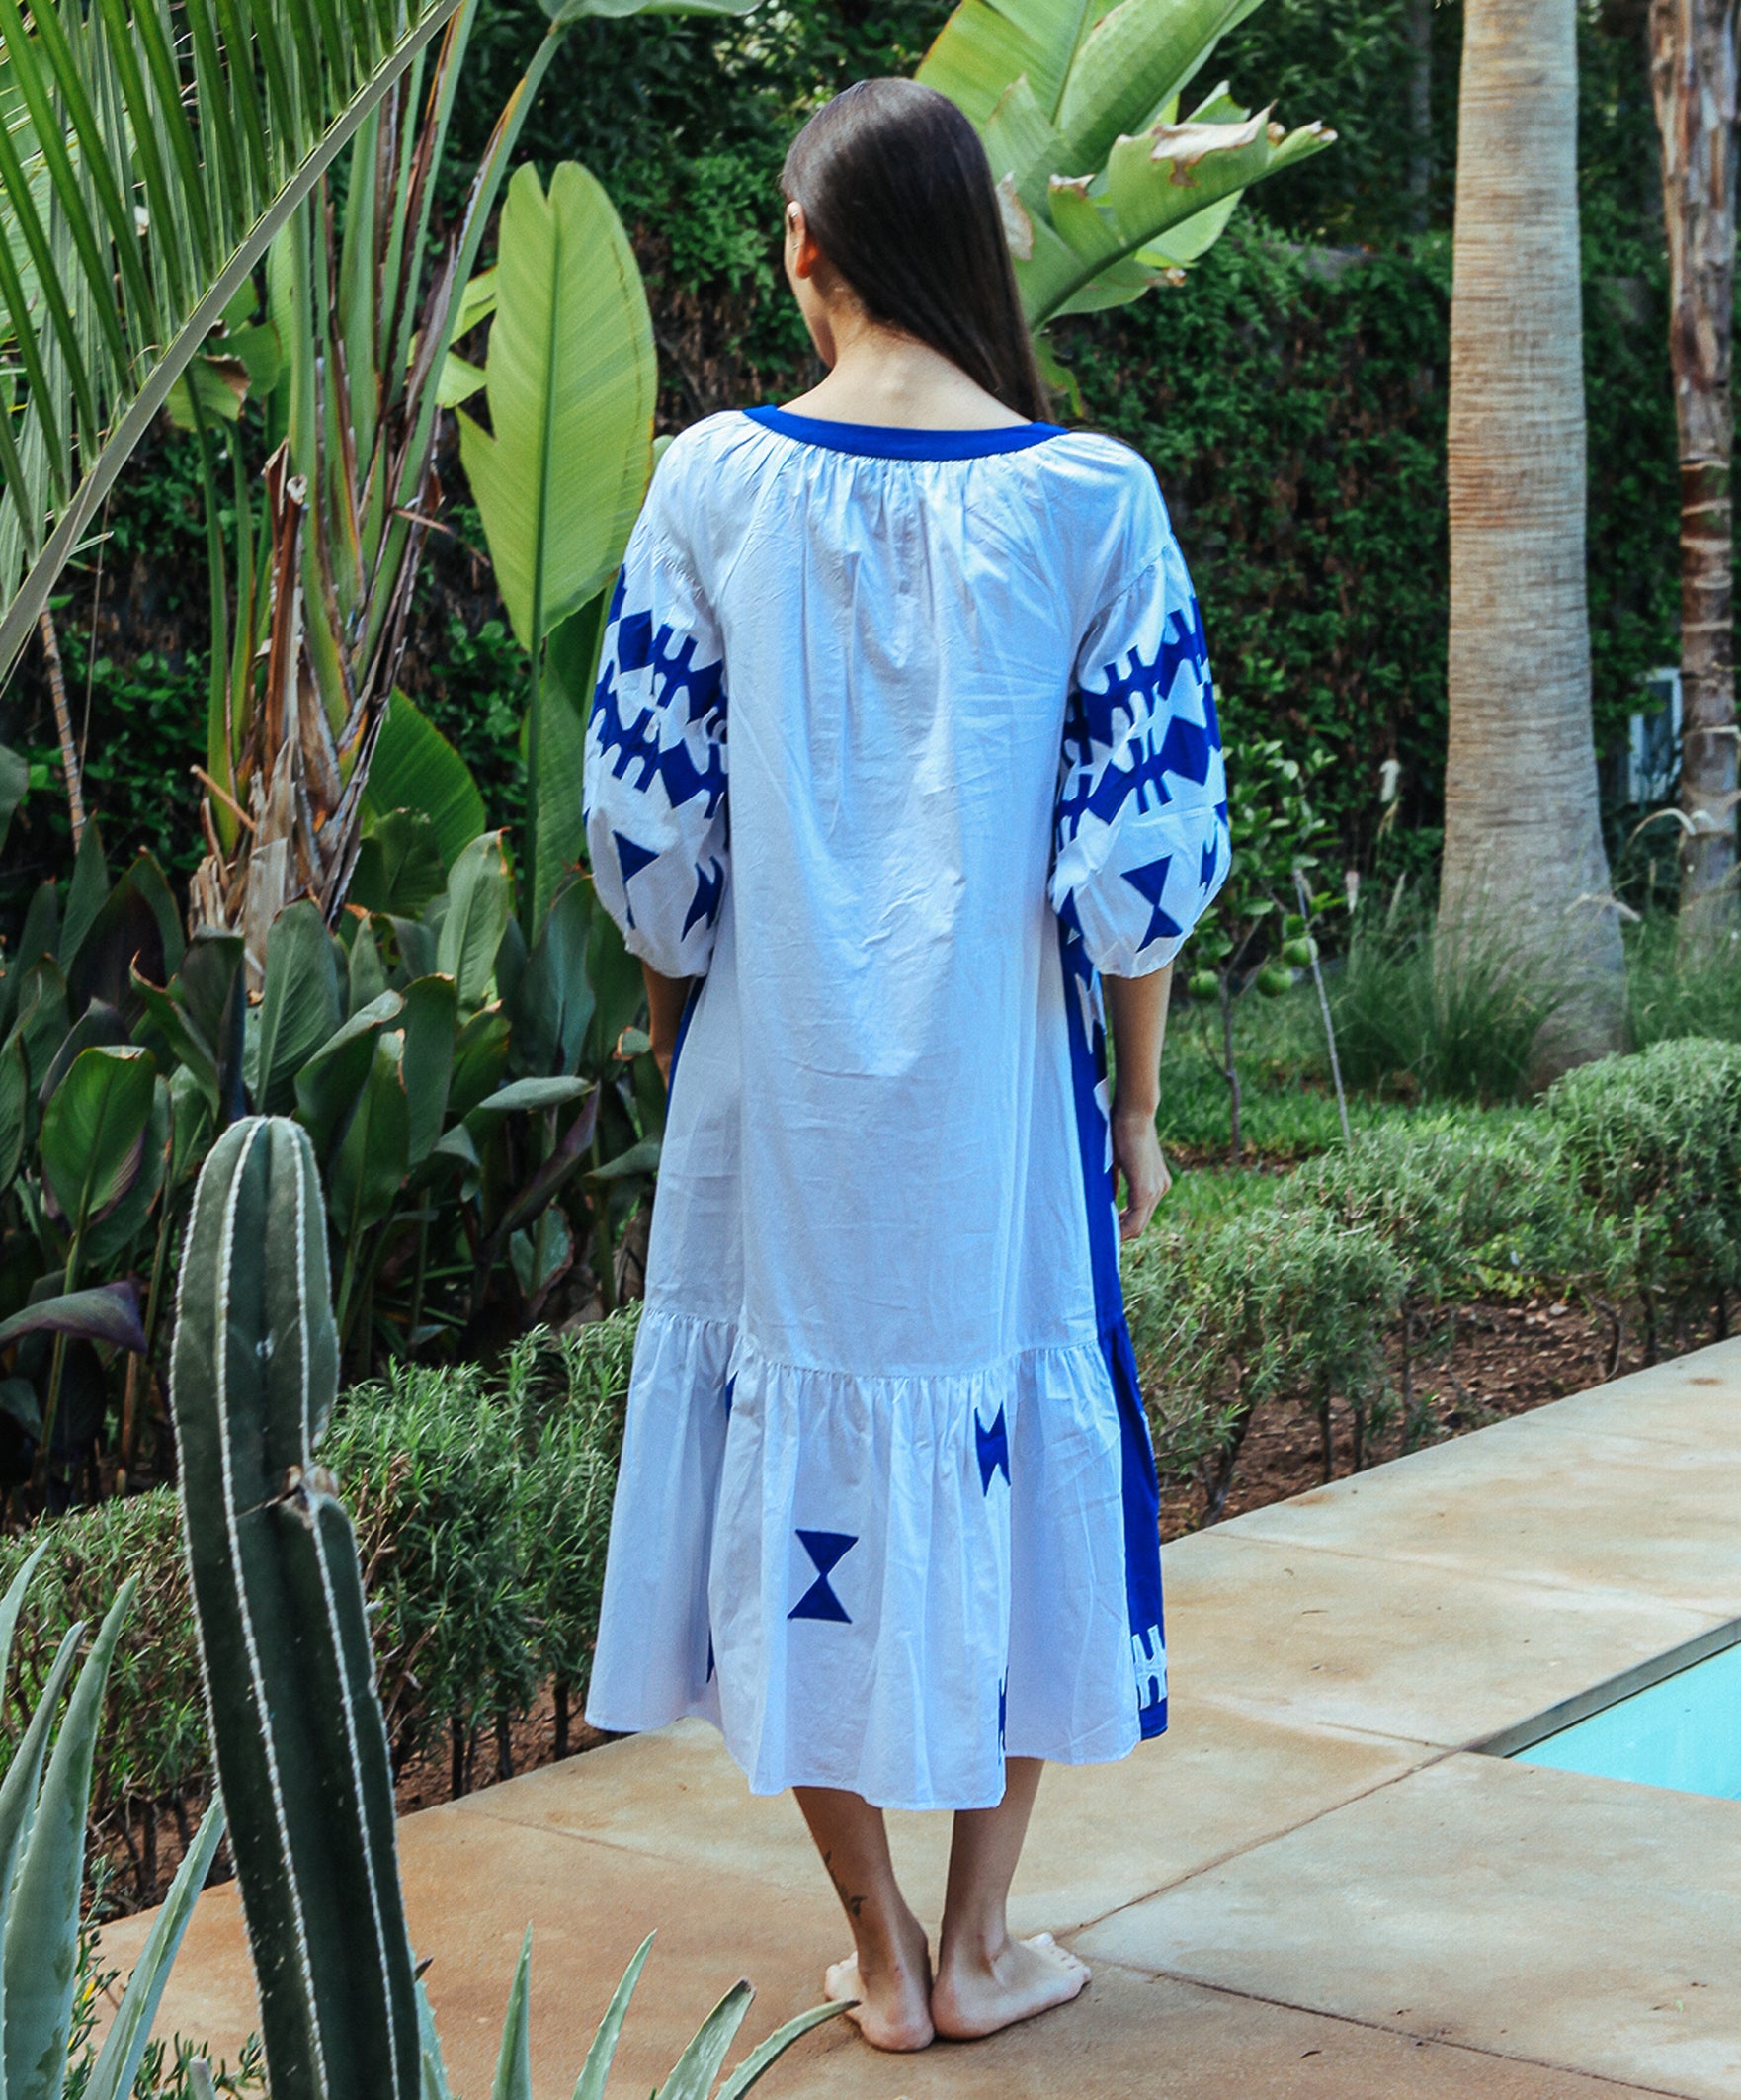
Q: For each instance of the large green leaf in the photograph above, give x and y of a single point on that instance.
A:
(374, 1154)
(524, 1097)
(416, 768)
(15, 1107)
(479, 902)
(93, 1130)
(171, 161)
(557, 769)
(301, 1005)
(400, 866)
(1136, 58)
(552, 1004)
(571, 379)
(14, 784)
(431, 1012)
(1153, 182)
(983, 49)
(104, 1312)
(1068, 101)
(328, 1085)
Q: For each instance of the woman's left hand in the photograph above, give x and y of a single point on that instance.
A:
(1136, 1155)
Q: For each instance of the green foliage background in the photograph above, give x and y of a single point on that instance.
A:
(1292, 395)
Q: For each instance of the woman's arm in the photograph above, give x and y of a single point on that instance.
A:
(666, 998)
(1136, 1012)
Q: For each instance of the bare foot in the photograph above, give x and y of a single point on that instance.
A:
(893, 2009)
(973, 1997)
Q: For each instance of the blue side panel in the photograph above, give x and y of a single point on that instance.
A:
(1142, 1534)
(1140, 1485)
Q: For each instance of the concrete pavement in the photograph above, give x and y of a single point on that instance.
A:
(1313, 1886)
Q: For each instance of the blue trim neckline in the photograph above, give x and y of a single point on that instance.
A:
(896, 441)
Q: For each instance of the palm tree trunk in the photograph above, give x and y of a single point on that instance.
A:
(1524, 858)
(1693, 83)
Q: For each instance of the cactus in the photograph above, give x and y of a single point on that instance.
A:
(289, 1684)
(301, 1750)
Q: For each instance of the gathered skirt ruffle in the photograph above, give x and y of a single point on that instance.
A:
(883, 1584)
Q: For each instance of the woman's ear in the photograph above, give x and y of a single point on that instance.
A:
(801, 252)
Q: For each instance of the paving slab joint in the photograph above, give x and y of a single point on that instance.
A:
(1380, 2027)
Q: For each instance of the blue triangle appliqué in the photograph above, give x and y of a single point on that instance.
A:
(994, 1451)
(826, 1548)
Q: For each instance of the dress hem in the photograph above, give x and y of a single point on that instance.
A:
(1076, 1755)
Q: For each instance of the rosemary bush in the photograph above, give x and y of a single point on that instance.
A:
(1267, 1303)
(482, 1502)
(1470, 1204)
(1653, 1144)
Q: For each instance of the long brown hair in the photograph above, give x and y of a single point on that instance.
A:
(898, 195)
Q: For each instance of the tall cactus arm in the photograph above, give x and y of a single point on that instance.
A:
(301, 1749)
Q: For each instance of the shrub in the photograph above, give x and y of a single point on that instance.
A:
(1470, 1203)
(1654, 1143)
(1269, 1302)
(482, 1502)
(151, 1748)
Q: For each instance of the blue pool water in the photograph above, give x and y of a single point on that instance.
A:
(1683, 1732)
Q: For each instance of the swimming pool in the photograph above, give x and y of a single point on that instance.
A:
(1683, 1732)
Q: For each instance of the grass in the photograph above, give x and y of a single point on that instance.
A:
(1407, 1038)
(1668, 997)
(1288, 1106)
(1441, 1025)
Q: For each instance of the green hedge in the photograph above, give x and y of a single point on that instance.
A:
(1653, 1144)
(483, 1503)
(1624, 1186)
(1263, 1304)
(1292, 394)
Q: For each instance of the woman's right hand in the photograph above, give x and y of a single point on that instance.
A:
(1137, 1157)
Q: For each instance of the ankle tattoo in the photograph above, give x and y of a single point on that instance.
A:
(852, 1905)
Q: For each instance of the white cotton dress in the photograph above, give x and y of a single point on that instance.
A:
(901, 738)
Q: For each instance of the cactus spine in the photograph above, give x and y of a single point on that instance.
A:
(289, 1681)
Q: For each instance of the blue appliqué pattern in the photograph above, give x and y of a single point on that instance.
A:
(628, 736)
(1139, 691)
(1141, 814)
(826, 1548)
(994, 1451)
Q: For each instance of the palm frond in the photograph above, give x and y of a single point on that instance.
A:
(146, 163)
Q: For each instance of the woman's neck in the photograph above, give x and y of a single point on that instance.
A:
(881, 376)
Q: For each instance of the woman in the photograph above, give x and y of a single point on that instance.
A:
(888, 1504)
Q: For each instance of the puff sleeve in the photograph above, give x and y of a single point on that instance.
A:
(656, 817)
(1141, 843)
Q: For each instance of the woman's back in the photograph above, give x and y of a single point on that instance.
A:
(922, 647)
